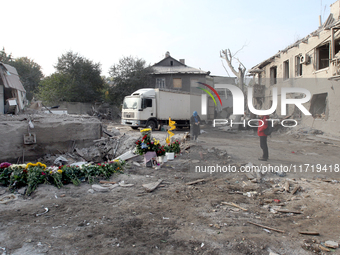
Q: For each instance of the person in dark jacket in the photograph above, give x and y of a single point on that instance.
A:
(263, 137)
(195, 125)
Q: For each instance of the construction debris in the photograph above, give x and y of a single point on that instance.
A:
(235, 205)
(152, 186)
(262, 226)
(194, 182)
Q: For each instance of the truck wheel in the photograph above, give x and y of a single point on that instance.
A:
(151, 124)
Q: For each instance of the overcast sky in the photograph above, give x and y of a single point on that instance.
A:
(194, 30)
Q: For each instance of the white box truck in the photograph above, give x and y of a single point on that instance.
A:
(153, 107)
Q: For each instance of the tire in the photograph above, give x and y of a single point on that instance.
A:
(151, 124)
(134, 128)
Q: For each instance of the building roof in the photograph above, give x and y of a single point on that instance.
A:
(329, 23)
(177, 69)
(163, 67)
(10, 77)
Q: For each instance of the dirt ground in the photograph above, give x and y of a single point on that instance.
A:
(177, 218)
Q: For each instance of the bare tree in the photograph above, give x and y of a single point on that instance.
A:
(240, 74)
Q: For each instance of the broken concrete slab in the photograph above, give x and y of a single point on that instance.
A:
(54, 133)
(149, 187)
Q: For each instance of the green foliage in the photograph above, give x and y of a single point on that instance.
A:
(77, 80)
(56, 88)
(4, 58)
(129, 75)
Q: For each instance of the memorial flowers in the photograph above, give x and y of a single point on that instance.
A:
(32, 174)
(146, 143)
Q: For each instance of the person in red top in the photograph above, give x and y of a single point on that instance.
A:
(263, 136)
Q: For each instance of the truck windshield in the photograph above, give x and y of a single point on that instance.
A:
(130, 103)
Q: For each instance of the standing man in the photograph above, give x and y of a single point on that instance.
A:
(263, 137)
(195, 125)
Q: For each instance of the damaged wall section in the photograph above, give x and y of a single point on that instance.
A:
(54, 134)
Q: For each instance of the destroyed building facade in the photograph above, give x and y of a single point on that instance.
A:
(313, 63)
(12, 92)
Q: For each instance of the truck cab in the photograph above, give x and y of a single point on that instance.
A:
(139, 109)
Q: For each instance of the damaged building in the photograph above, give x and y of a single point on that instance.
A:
(12, 92)
(313, 63)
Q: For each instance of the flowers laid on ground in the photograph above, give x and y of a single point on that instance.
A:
(146, 143)
(32, 174)
(173, 147)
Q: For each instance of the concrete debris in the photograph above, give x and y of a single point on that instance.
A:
(127, 155)
(331, 244)
(123, 184)
(60, 161)
(99, 188)
(110, 186)
(108, 149)
(152, 186)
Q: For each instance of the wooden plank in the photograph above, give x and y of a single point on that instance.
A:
(262, 226)
(194, 182)
(235, 205)
(309, 233)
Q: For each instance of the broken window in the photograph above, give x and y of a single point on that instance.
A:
(160, 82)
(298, 66)
(318, 105)
(286, 70)
(177, 83)
(337, 48)
(273, 75)
(322, 57)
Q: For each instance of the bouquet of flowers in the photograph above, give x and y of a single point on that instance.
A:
(56, 175)
(35, 175)
(147, 144)
(161, 151)
(175, 147)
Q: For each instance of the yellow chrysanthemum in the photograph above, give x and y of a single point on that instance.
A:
(28, 165)
(145, 130)
(60, 171)
(50, 172)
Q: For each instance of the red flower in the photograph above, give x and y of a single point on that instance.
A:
(148, 143)
(60, 167)
(42, 173)
(25, 171)
(99, 164)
